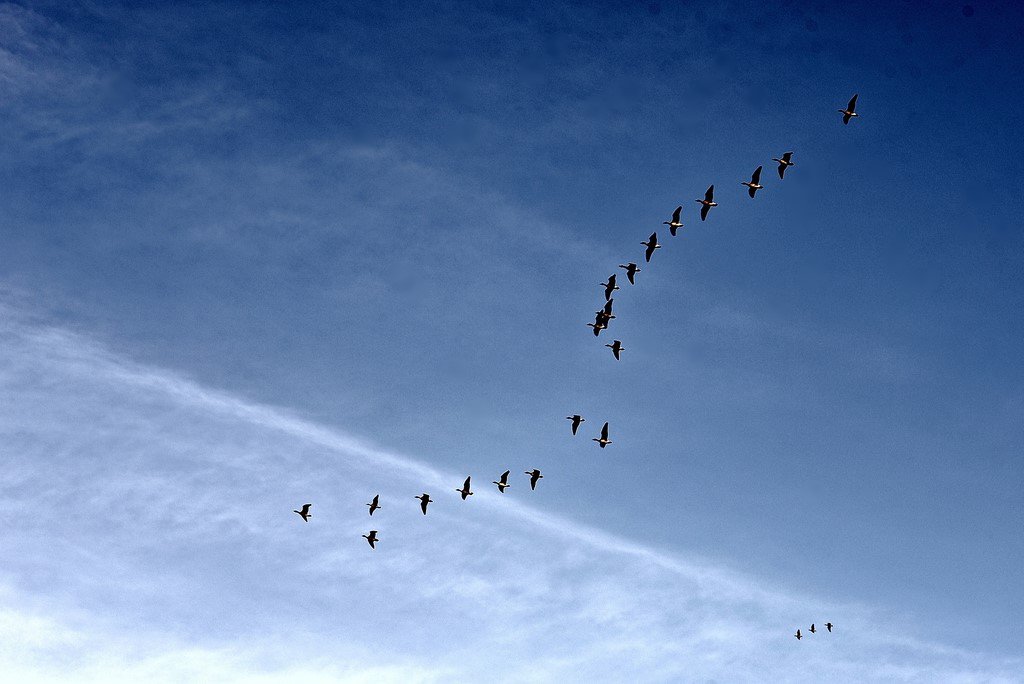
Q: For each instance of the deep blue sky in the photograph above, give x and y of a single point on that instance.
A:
(392, 218)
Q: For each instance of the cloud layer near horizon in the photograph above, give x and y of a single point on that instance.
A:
(148, 534)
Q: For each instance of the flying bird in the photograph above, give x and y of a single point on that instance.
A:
(797, 635)
(576, 420)
(828, 626)
(609, 287)
(784, 163)
(600, 323)
(755, 182)
(616, 347)
(373, 504)
(812, 630)
(606, 312)
(850, 110)
(652, 244)
(502, 482)
(424, 500)
(306, 515)
(707, 202)
(631, 271)
(534, 476)
(674, 223)
(371, 538)
(603, 441)
(465, 489)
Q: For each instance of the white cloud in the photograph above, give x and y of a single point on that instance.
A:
(148, 535)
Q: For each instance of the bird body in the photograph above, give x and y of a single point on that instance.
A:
(784, 163)
(306, 515)
(651, 244)
(502, 482)
(371, 538)
(850, 110)
(812, 630)
(603, 441)
(373, 504)
(534, 476)
(424, 500)
(631, 271)
(616, 347)
(465, 491)
(797, 635)
(755, 182)
(674, 224)
(828, 626)
(707, 202)
(576, 420)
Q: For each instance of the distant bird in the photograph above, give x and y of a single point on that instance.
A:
(797, 635)
(631, 271)
(850, 110)
(576, 420)
(306, 515)
(373, 504)
(674, 223)
(707, 202)
(609, 287)
(784, 163)
(502, 482)
(465, 489)
(652, 244)
(616, 347)
(603, 441)
(534, 476)
(600, 323)
(812, 630)
(371, 538)
(755, 182)
(828, 626)
(424, 500)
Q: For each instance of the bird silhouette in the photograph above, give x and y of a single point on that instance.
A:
(784, 163)
(755, 182)
(502, 482)
(306, 515)
(424, 500)
(652, 244)
(797, 635)
(850, 111)
(603, 441)
(607, 310)
(631, 271)
(465, 489)
(609, 287)
(616, 347)
(373, 504)
(828, 626)
(812, 630)
(576, 420)
(371, 538)
(600, 322)
(534, 476)
(674, 223)
(707, 202)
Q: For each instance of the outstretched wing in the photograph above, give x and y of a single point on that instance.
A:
(704, 212)
(756, 178)
(787, 156)
(852, 107)
(675, 214)
(751, 191)
(709, 196)
(782, 170)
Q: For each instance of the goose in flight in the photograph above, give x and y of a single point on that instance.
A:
(797, 635)
(306, 515)
(371, 538)
(534, 476)
(373, 504)
(674, 223)
(707, 202)
(603, 441)
(600, 323)
(502, 482)
(424, 500)
(631, 271)
(576, 420)
(784, 163)
(616, 347)
(609, 287)
(651, 244)
(465, 489)
(755, 182)
(850, 111)
(812, 630)
(828, 626)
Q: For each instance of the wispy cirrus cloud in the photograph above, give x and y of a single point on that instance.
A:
(147, 533)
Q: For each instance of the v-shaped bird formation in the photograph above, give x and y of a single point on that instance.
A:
(602, 320)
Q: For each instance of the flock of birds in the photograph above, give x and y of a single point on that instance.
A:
(603, 318)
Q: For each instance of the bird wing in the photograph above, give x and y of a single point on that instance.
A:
(704, 212)
(756, 178)
(504, 477)
(846, 118)
(604, 431)
(751, 191)
(787, 156)
(853, 104)
(675, 214)
(648, 252)
(466, 483)
(709, 196)
(782, 170)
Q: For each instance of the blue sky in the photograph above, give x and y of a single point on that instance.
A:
(256, 254)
